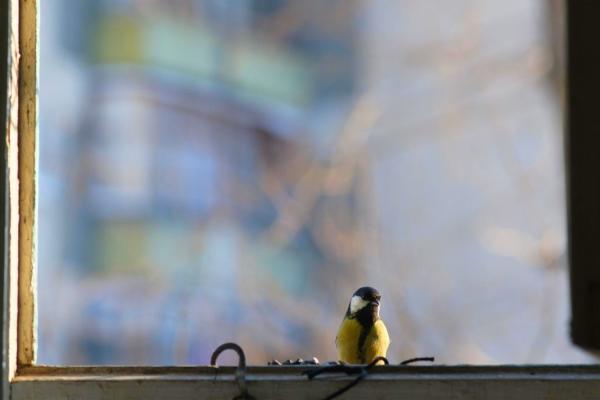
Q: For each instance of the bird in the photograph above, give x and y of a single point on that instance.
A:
(362, 335)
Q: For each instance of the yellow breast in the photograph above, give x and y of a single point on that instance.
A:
(347, 341)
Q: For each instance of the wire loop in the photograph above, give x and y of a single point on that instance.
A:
(240, 372)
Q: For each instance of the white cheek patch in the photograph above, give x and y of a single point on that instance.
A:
(356, 303)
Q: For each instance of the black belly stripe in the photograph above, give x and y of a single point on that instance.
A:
(361, 342)
(366, 317)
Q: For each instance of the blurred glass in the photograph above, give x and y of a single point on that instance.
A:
(232, 170)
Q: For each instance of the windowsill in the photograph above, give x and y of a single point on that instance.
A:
(415, 382)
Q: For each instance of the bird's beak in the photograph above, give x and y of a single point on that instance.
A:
(375, 303)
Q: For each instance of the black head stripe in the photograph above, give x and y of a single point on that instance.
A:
(368, 293)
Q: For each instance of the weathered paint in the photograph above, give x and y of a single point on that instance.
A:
(28, 115)
(13, 193)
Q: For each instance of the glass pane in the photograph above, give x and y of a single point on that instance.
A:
(219, 170)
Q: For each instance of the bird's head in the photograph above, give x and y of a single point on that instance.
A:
(365, 298)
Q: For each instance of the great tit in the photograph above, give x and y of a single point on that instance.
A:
(362, 335)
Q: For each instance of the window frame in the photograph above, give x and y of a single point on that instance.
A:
(22, 379)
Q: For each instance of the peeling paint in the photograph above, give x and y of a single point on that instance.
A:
(27, 170)
(13, 190)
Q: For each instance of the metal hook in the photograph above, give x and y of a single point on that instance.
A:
(240, 372)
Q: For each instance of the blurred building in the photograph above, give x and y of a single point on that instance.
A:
(199, 124)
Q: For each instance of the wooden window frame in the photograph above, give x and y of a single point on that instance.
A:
(22, 379)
